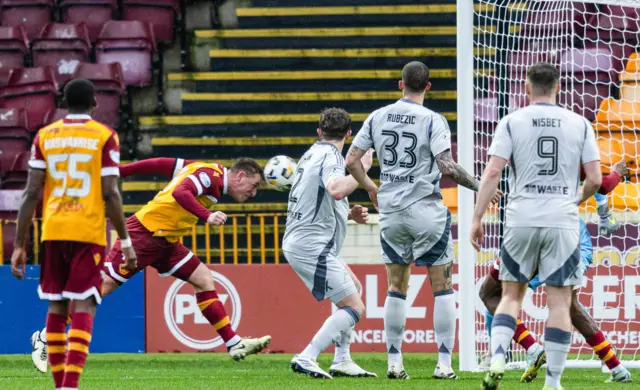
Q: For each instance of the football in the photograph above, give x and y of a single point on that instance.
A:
(279, 172)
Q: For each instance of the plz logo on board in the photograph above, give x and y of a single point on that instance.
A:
(186, 322)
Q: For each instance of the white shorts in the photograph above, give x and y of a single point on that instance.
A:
(550, 253)
(326, 276)
(420, 233)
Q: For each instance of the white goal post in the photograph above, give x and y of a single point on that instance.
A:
(596, 46)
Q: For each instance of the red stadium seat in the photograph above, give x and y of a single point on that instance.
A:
(33, 15)
(56, 114)
(615, 23)
(16, 177)
(550, 20)
(13, 48)
(130, 43)
(94, 13)
(33, 89)
(14, 136)
(109, 84)
(161, 14)
(62, 47)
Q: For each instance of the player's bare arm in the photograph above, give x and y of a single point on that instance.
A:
(357, 169)
(593, 179)
(486, 192)
(35, 182)
(342, 187)
(448, 167)
(113, 208)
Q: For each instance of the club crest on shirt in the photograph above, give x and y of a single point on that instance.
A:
(115, 156)
(97, 258)
(204, 179)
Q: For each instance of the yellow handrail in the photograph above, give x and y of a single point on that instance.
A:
(242, 240)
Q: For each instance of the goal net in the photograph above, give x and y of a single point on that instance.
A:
(595, 45)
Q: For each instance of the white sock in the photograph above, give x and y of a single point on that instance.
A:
(43, 335)
(339, 321)
(556, 344)
(533, 347)
(395, 315)
(502, 331)
(617, 369)
(343, 346)
(444, 324)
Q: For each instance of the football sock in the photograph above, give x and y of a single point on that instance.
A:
(79, 340)
(556, 344)
(602, 201)
(340, 321)
(444, 325)
(213, 310)
(604, 350)
(523, 337)
(395, 315)
(488, 320)
(343, 346)
(56, 345)
(503, 328)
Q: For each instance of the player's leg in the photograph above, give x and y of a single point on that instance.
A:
(607, 224)
(342, 364)
(519, 259)
(56, 339)
(588, 328)
(80, 333)
(557, 333)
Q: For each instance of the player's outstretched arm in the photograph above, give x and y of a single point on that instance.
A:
(342, 187)
(486, 192)
(164, 166)
(35, 182)
(357, 169)
(114, 211)
(448, 167)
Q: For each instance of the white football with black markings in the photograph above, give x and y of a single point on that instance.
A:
(279, 172)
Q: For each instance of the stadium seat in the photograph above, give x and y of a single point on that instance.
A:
(14, 136)
(94, 13)
(13, 48)
(630, 79)
(520, 61)
(62, 47)
(16, 177)
(130, 43)
(161, 14)
(618, 115)
(592, 75)
(56, 114)
(620, 51)
(8, 233)
(615, 23)
(109, 84)
(33, 15)
(33, 89)
(550, 21)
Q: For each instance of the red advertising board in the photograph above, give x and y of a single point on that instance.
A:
(271, 299)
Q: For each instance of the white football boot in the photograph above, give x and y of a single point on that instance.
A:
(39, 353)
(444, 372)
(306, 366)
(396, 371)
(351, 369)
(248, 347)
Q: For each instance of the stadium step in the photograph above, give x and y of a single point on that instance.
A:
(307, 81)
(303, 102)
(227, 60)
(336, 37)
(319, 3)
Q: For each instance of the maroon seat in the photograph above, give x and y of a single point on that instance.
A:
(33, 89)
(130, 43)
(8, 233)
(14, 136)
(620, 52)
(615, 23)
(109, 84)
(161, 14)
(593, 74)
(56, 114)
(33, 15)
(552, 20)
(94, 13)
(13, 47)
(520, 61)
(16, 177)
(62, 47)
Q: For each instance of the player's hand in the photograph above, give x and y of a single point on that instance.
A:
(477, 234)
(367, 160)
(217, 218)
(621, 168)
(496, 197)
(360, 214)
(19, 262)
(130, 259)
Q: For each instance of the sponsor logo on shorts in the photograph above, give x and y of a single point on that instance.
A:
(185, 321)
(204, 179)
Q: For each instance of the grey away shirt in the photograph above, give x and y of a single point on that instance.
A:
(545, 146)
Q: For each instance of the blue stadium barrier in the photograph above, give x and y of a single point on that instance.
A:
(119, 324)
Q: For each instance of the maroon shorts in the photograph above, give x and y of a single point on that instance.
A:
(170, 259)
(71, 270)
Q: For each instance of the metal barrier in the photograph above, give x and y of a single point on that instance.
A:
(263, 225)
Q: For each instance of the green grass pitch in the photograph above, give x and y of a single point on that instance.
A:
(218, 371)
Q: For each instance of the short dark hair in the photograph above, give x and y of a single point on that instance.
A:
(415, 77)
(79, 94)
(543, 78)
(334, 123)
(248, 166)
